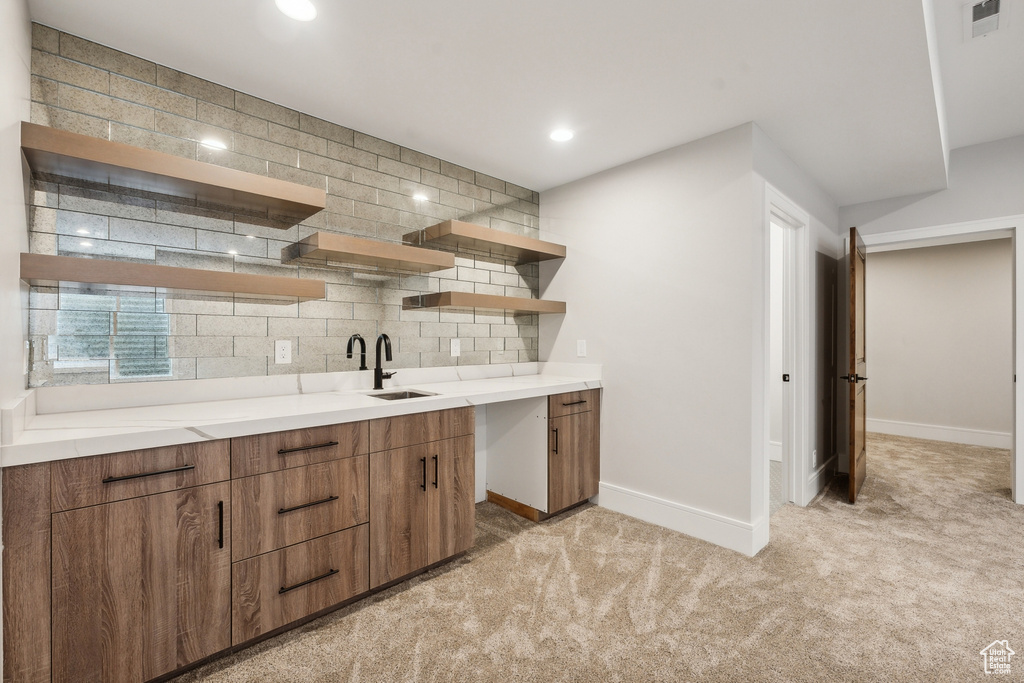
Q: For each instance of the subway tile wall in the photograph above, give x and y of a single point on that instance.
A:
(92, 335)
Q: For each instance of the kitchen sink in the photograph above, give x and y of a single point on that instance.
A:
(400, 395)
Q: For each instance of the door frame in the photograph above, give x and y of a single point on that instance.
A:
(971, 231)
(798, 262)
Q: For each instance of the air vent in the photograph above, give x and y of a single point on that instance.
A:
(982, 18)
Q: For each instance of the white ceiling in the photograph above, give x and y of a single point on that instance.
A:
(843, 87)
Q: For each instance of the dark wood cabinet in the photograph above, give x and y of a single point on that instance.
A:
(573, 460)
(142, 586)
(422, 497)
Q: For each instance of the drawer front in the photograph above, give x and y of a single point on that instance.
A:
(280, 450)
(409, 430)
(277, 509)
(79, 482)
(574, 402)
(278, 588)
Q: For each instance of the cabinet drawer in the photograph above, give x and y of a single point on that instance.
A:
(573, 402)
(278, 588)
(79, 482)
(409, 430)
(280, 450)
(277, 509)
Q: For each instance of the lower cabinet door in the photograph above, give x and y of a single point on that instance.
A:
(142, 586)
(452, 498)
(573, 459)
(278, 588)
(398, 511)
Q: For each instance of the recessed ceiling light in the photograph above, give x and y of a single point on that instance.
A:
(300, 10)
(213, 143)
(85, 244)
(562, 135)
(82, 231)
(420, 197)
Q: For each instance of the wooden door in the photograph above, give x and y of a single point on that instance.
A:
(857, 378)
(451, 491)
(142, 586)
(398, 512)
(573, 459)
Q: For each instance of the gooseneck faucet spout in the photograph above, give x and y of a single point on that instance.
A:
(362, 350)
(378, 374)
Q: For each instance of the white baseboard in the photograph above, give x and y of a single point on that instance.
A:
(974, 437)
(775, 451)
(742, 537)
(818, 480)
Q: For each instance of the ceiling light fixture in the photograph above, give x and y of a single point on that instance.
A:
(299, 10)
(562, 135)
(213, 144)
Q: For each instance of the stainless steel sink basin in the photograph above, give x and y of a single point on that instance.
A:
(400, 395)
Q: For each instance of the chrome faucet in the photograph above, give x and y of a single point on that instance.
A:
(362, 352)
(378, 374)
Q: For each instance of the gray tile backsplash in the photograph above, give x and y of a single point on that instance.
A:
(95, 335)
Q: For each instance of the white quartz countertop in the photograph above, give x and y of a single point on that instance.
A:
(71, 434)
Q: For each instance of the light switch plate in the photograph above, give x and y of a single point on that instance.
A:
(283, 351)
(456, 347)
(581, 348)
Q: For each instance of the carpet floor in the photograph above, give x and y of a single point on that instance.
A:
(907, 585)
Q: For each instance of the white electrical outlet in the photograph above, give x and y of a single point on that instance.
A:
(581, 348)
(283, 351)
(456, 347)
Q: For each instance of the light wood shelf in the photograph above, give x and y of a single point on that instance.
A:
(364, 252)
(58, 152)
(493, 302)
(496, 242)
(49, 271)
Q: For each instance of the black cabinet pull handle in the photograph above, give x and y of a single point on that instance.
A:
(575, 403)
(220, 522)
(285, 589)
(110, 480)
(285, 451)
(423, 461)
(307, 505)
(556, 441)
(435, 471)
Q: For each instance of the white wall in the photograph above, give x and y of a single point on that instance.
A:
(664, 279)
(985, 181)
(775, 341)
(940, 342)
(15, 54)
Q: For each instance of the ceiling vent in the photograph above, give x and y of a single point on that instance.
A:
(982, 18)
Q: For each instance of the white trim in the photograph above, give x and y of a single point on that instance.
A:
(1010, 223)
(819, 478)
(708, 526)
(775, 451)
(974, 437)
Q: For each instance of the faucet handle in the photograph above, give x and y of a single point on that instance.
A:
(388, 375)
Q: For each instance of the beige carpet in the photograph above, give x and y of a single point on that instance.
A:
(908, 585)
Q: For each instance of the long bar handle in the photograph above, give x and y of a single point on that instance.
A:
(556, 440)
(575, 403)
(435, 471)
(423, 461)
(307, 505)
(285, 451)
(220, 523)
(285, 589)
(110, 480)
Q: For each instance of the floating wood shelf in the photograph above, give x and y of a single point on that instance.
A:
(49, 271)
(59, 152)
(364, 252)
(496, 242)
(482, 301)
